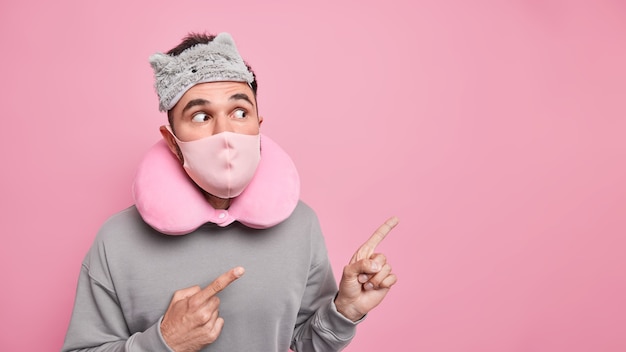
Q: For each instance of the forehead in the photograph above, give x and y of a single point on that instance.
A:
(216, 92)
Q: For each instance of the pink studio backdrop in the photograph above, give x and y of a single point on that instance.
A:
(495, 131)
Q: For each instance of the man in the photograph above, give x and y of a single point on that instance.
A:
(213, 201)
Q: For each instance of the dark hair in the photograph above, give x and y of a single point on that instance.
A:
(193, 39)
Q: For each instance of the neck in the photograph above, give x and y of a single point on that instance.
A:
(217, 202)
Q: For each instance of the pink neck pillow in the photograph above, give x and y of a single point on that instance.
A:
(171, 203)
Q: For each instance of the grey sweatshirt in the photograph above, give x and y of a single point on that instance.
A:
(284, 300)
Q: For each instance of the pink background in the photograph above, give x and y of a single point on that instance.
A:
(495, 131)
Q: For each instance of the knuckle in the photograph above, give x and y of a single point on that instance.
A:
(390, 281)
(200, 318)
(212, 335)
(378, 258)
(217, 286)
(214, 301)
(367, 248)
(377, 237)
(215, 330)
(204, 316)
(195, 302)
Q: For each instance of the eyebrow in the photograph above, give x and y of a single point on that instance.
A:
(200, 101)
(241, 96)
(195, 102)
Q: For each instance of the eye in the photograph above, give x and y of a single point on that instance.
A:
(240, 113)
(200, 117)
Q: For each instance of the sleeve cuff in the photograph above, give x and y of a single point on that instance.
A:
(329, 319)
(333, 309)
(150, 340)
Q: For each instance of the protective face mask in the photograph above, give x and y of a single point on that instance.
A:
(222, 164)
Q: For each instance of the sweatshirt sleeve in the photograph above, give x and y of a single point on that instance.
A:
(98, 323)
(320, 327)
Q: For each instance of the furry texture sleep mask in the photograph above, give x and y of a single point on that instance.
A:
(215, 61)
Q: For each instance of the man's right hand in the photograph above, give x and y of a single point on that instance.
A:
(192, 319)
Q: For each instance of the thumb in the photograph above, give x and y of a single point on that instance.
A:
(185, 293)
(359, 272)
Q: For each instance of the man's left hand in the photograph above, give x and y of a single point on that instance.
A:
(367, 278)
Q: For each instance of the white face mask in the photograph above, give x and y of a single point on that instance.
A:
(222, 164)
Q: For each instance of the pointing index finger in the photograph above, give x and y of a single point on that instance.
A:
(367, 249)
(220, 283)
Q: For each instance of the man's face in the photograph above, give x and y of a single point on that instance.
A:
(210, 108)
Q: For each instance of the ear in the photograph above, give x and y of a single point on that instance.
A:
(224, 38)
(171, 142)
(158, 61)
